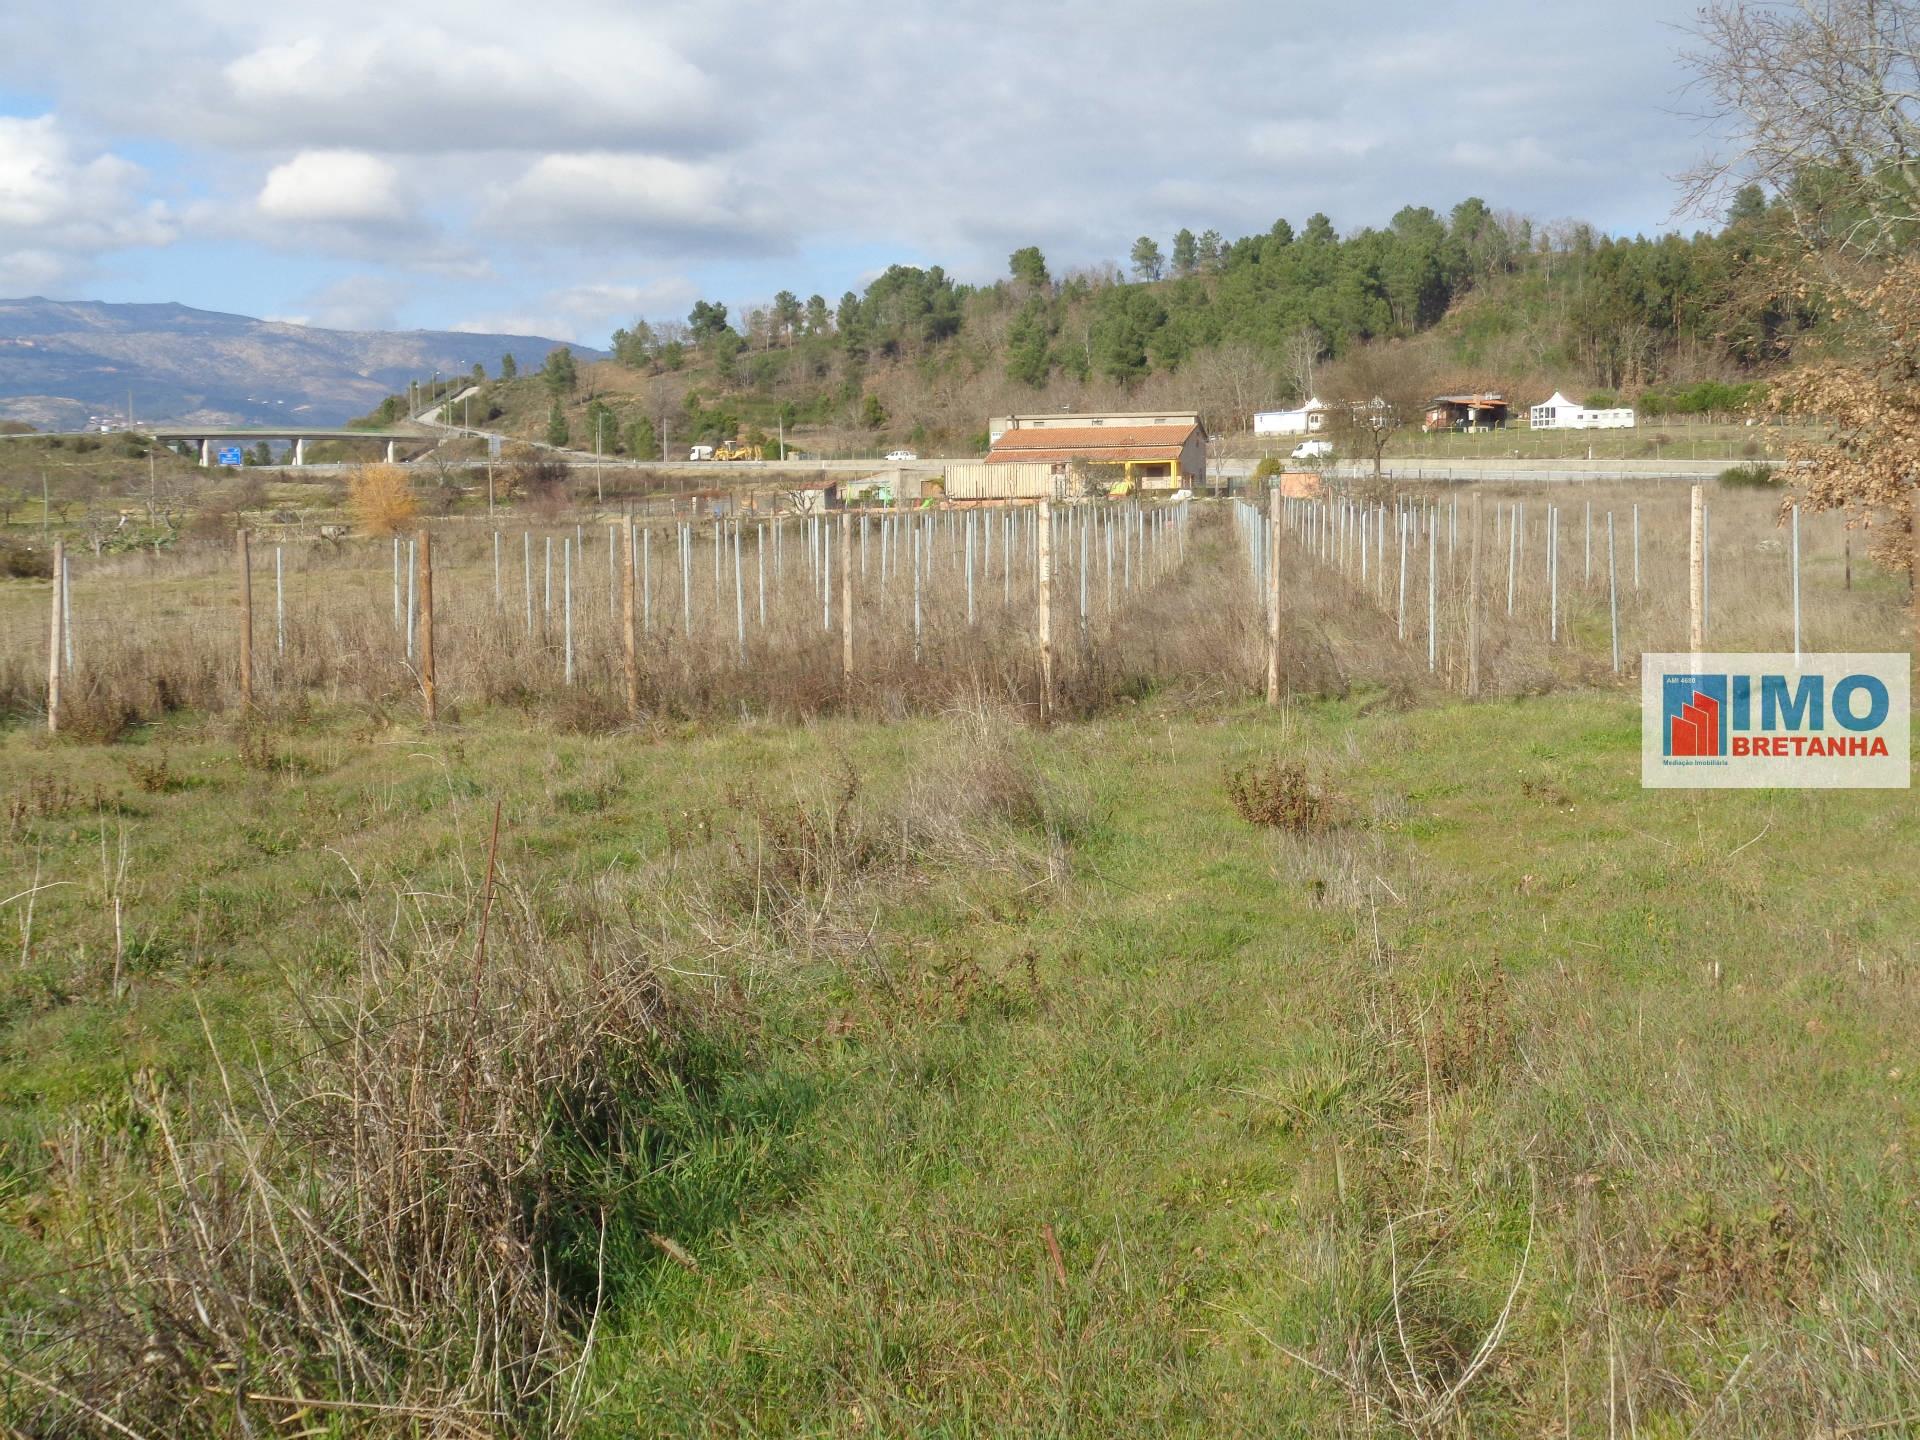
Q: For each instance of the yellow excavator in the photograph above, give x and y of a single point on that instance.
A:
(739, 450)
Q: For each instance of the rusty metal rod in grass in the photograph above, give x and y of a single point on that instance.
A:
(480, 943)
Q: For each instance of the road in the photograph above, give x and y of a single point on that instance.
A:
(1499, 471)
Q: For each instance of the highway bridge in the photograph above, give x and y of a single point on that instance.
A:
(210, 437)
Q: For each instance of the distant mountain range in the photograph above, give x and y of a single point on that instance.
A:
(63, 362)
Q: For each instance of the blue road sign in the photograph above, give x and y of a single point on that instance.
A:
(232, 455)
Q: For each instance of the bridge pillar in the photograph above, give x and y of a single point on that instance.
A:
(393, 451)
(206, 451)
(299, 450)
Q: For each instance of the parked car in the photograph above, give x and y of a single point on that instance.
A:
(902, 455)
(1313, 450)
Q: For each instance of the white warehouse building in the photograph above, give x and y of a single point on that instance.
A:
(1309, 419)
(1560, 413)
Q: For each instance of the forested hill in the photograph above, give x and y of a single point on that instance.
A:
(1473, 299)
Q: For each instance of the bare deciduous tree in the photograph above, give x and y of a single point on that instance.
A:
(1299, 353)
(1822, 100)
(1229, 381)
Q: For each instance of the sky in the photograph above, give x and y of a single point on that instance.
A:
(562, 168)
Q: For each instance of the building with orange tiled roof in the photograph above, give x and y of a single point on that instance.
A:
(1156, 450)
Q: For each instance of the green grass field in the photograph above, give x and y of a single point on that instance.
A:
(1517, 1101)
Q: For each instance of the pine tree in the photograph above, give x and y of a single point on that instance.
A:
(1186, 253)
(557, 432)
(1147, 264)
(559, 372)
(1029, 267)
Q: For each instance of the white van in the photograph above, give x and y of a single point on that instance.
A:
(1313, 450)
(700, 452)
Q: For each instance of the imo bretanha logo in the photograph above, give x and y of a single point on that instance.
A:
(1733, 720)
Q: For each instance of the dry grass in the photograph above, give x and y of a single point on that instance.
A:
(397, 1234)
(737, 628)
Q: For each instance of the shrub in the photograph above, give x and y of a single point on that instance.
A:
(1749, 477)
(381, 498)
(24, 562)
(1281, 795)
(407, 1221)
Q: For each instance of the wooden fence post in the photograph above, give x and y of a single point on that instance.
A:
(1697, 573)
(632, 642)
(1043, 602)
(429, 696)
(1273, 595)
(244, 552)
(56, 636)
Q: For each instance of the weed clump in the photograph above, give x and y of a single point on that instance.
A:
(1712, 1257)
(1749, 477)
(1280, 795)
(406, 1226)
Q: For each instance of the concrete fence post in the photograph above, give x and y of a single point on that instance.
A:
(55, 637)
(1697, 572)
(1043, 601)
(243, 550)
(1473, 598)
(630, 641)
(846, 599)
(429, 693)
(1273, 595)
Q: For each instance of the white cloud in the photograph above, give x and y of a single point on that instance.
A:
(650, 196)
(357, 302)
(426, 84)
(60, 209)
(587, 314)
(334, 187)
(1307, 142)
(31, 272)
(1522, 155)
(595, 141)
